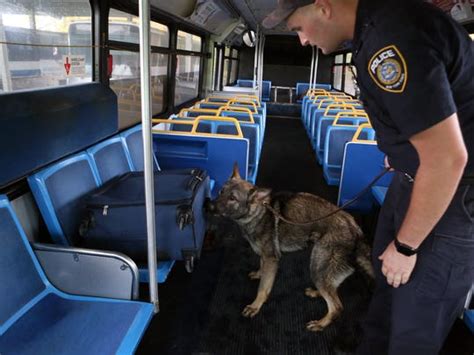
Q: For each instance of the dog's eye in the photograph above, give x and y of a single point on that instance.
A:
(231, 198)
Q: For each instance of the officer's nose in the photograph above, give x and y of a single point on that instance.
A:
(304, 41)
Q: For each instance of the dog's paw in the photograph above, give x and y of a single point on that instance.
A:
(254, 275)
(311, 292)
(315, 326)
(250, 311)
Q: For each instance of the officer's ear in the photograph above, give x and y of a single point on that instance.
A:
(325, 8)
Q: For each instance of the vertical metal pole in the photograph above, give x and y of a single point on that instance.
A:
(316, 65)
(4, 63)
(144, 13)
(220, 66)
(255, 58)
(312, 69)
(261, 44)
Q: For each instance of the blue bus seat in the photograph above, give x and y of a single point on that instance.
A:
(266, 87)
(379, 193)
(334, 145)
(362, 162)
(302, 88)
(109, 159)
(251, 133)
(469, 319)
(212, 153)
(59, 190)
(134, 142)
(321, 130)
(37, 318)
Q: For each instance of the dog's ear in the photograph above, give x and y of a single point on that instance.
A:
(259, 195)
(236, 173)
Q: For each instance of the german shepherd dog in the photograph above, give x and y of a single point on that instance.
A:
(337, 241)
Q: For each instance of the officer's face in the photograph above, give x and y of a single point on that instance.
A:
(314, 27)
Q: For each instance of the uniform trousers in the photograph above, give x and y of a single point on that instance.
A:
(415, 318)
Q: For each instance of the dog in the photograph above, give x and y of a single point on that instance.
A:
(337, 242)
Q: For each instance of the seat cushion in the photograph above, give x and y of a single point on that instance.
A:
(61, 326)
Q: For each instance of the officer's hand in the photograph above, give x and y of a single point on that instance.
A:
(396, 267)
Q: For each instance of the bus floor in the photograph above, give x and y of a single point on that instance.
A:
(200, 313)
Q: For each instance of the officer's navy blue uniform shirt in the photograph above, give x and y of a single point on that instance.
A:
(415, 67)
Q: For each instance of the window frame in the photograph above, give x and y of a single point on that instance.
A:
(344, 65)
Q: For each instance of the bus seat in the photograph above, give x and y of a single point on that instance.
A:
(58, 190)
(37, 318)
(213, 153)
(134, 142)
(321, 131)
(362, 162)
(302, 88)
(266, 87)
(110, 159)
(250, 132)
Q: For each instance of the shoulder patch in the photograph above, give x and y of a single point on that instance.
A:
(388, 69)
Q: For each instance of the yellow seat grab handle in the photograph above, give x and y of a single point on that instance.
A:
(192, 109)
(244, 102)
(338, 105)
(344, 114)
(236, 109)
(323, 101)
(195, 123)
(356, 137)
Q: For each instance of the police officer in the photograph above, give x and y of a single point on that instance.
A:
(415, 68)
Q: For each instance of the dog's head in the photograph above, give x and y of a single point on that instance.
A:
(239, 199)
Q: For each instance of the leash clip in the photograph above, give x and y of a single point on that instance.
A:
(409, 177)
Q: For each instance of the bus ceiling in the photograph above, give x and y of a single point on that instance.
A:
(224, 20)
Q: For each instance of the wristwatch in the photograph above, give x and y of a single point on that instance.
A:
(405, 249)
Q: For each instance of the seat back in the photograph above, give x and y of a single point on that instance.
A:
(134, 142)
(214, 154)
(59, 190)
(362, 162)
(21, 277)
(110, 159)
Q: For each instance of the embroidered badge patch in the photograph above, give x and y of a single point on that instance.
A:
(389, 70)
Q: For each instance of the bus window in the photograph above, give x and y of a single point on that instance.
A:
(188, 42)
(38, 35)
(125, 79)
(188, 68)
(124, 27)
(187, 78)
(338, 67)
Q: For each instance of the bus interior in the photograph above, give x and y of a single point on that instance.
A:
(221, 90)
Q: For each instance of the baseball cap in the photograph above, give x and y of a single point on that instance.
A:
(284, 9)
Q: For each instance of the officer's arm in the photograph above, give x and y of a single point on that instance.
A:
(443, 157)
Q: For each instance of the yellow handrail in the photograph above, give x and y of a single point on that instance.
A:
(337, 105)
(355, 114)
(195, 124)
(244, 102)
(201, 110)
(316, 92)
(314, 98)
(236, 109)
(323, 101)
(356, 139)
